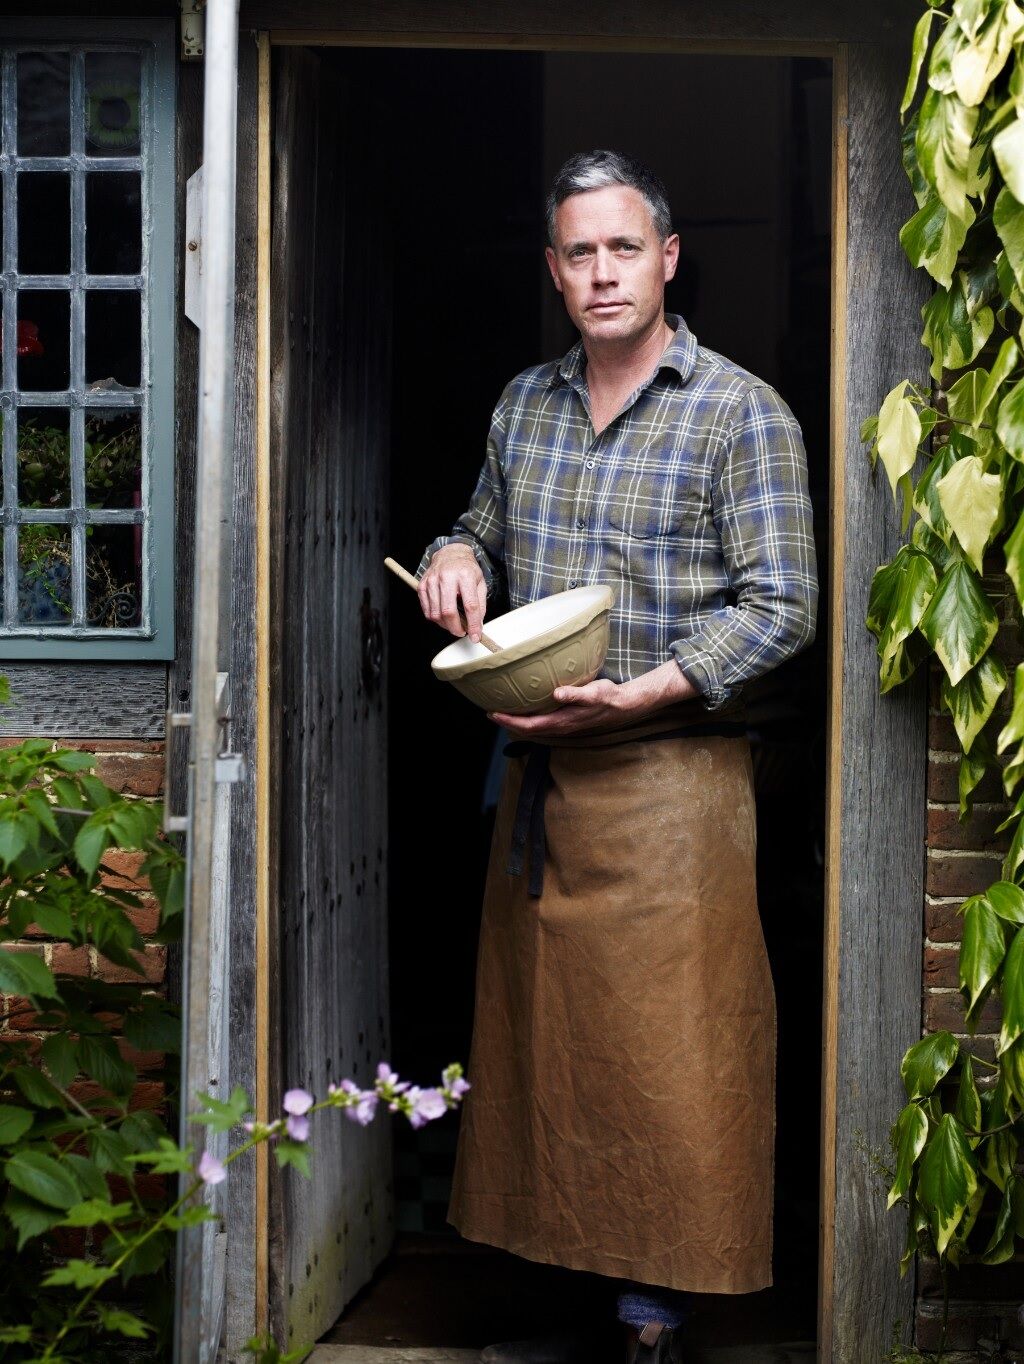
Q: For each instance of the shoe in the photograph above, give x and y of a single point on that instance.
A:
(655, 1344)
(563, 1347)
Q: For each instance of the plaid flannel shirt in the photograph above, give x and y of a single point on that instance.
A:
(691, 504)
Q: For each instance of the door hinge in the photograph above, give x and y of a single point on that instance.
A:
(193, 30)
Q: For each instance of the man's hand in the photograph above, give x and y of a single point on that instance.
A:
(454, 573)
(603, 704)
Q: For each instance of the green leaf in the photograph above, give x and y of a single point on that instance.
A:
(42, 1178)
(1008, 150)
(1011, 1067)
(166, 1159)
(1014, 551)
(899, 434)
(60, 1057)
(109, 1150)
(221, 1115)
(933, 239)
(14, 1123)
(1005, 363)
(968, 1101)
(1007, 900)
(926, 1062)
(123, 1323)
(922, 31)
(99, 1057)
(73, 760)
(972, 701)
(970, 500)
(981, 953)
(36, 1088)
(948, 1179)
(23, 973)
(1001, 1243)
(155, 1026)
(973, 766)
(15, 1335)
(96, 1211)
(951, 332)
(1013, 730)
(964, 397)
(79, 1274)
(27, 1217)
(1015, 853)
(959, 622)
(926, 497)
(975, 65)
(908, 1138)
(91, 842)
(900, 592)
(1008, 220)
(1012, 989)
(53, 919)
(13, 838)
(945, 130)
(292, 1153)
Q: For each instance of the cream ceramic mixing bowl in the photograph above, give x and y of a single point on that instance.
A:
(558, 641)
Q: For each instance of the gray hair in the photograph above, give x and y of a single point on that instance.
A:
(595, 170)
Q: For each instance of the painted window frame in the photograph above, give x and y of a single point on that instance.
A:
(153, 638)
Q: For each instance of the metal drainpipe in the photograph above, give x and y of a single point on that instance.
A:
(211, 589)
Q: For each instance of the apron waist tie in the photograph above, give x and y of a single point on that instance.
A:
(529, 844)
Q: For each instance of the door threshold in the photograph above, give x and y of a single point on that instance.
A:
(388, 1354)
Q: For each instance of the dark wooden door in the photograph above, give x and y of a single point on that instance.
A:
(330, 366)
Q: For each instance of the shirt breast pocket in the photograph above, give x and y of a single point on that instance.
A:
(648, 504)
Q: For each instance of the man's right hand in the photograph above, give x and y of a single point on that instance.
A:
(454, 573)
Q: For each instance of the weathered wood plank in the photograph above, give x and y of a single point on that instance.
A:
(876, 992)
(765, 21)
(85, 700)
(330, 380)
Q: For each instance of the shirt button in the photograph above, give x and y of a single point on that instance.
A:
(590, 463)
(574, 583)
(580, 523)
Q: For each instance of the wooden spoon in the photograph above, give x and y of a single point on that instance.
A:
(410, 581)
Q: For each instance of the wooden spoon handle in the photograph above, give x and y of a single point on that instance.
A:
(410, 581)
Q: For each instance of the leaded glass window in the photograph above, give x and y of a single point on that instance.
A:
(86, 347)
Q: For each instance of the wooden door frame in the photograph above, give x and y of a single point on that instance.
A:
(877, 747)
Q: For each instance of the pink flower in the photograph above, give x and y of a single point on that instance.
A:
(297, 1101)
(360, 1104)
(298, 1127)
(425, 1105)
(211, 1170)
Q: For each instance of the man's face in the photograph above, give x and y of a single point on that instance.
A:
(609, 265)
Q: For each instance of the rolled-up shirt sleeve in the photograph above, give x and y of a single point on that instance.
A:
(762, 511)
(482, 525)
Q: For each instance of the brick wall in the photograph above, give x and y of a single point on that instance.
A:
(131, 767)
(963, 859)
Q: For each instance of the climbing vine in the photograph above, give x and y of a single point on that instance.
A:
(957, 1140)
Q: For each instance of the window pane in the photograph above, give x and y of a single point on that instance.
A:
(44, 575)
(112, 103)
(113, 223)
(113, 331)
(113, 556)
(44, 103)
(44, 222)
(44, 321)
(44, 457)
(113, 459)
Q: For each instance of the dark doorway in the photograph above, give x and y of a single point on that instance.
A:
(463, 143)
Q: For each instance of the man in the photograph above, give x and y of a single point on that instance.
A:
(621, 1119)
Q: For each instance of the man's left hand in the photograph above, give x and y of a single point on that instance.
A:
(592, 706)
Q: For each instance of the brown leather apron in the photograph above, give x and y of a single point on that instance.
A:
(622, 1113)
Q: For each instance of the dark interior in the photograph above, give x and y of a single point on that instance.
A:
(465, 143)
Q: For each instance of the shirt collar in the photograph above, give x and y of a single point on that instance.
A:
(680, 355)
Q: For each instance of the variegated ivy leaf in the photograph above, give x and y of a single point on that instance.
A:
(922, 31)
(975, 66)
(1012, 991)
(899, 434)
(1013, 771)
(926, 1062)
(1005, 363)
(934, 238)
(1013, 730)
(948, 1179)
(944, 134)
(1008, 150)
(973, 700)
(1015, 853)
(981, 953)
(959, 622)
(1011, 1068)
(1013, 549)
(970, 500)
(1002, 1242)
(968, 1102)
(1008, 219)
(924, 538)
(952, 335)
(909, 1135)
(908, 152)
(970, 15)
(901, 662)
(973, 766)
(940, 65)
(963, 400)
(899, 595)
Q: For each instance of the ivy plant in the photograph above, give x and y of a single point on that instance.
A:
(953, 453)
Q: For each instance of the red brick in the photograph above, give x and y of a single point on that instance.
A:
(152, 959)
(113, 745)
(68, 960)
(147, 918)
(945, 1012)
(943, 922)
(982, 1045)
(941, 967)
(139, 774)
(144, 1062)
(20, 1014)
(124, 868)
(977, 833)
(968, 875)
(942, 735)
(944, 784)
